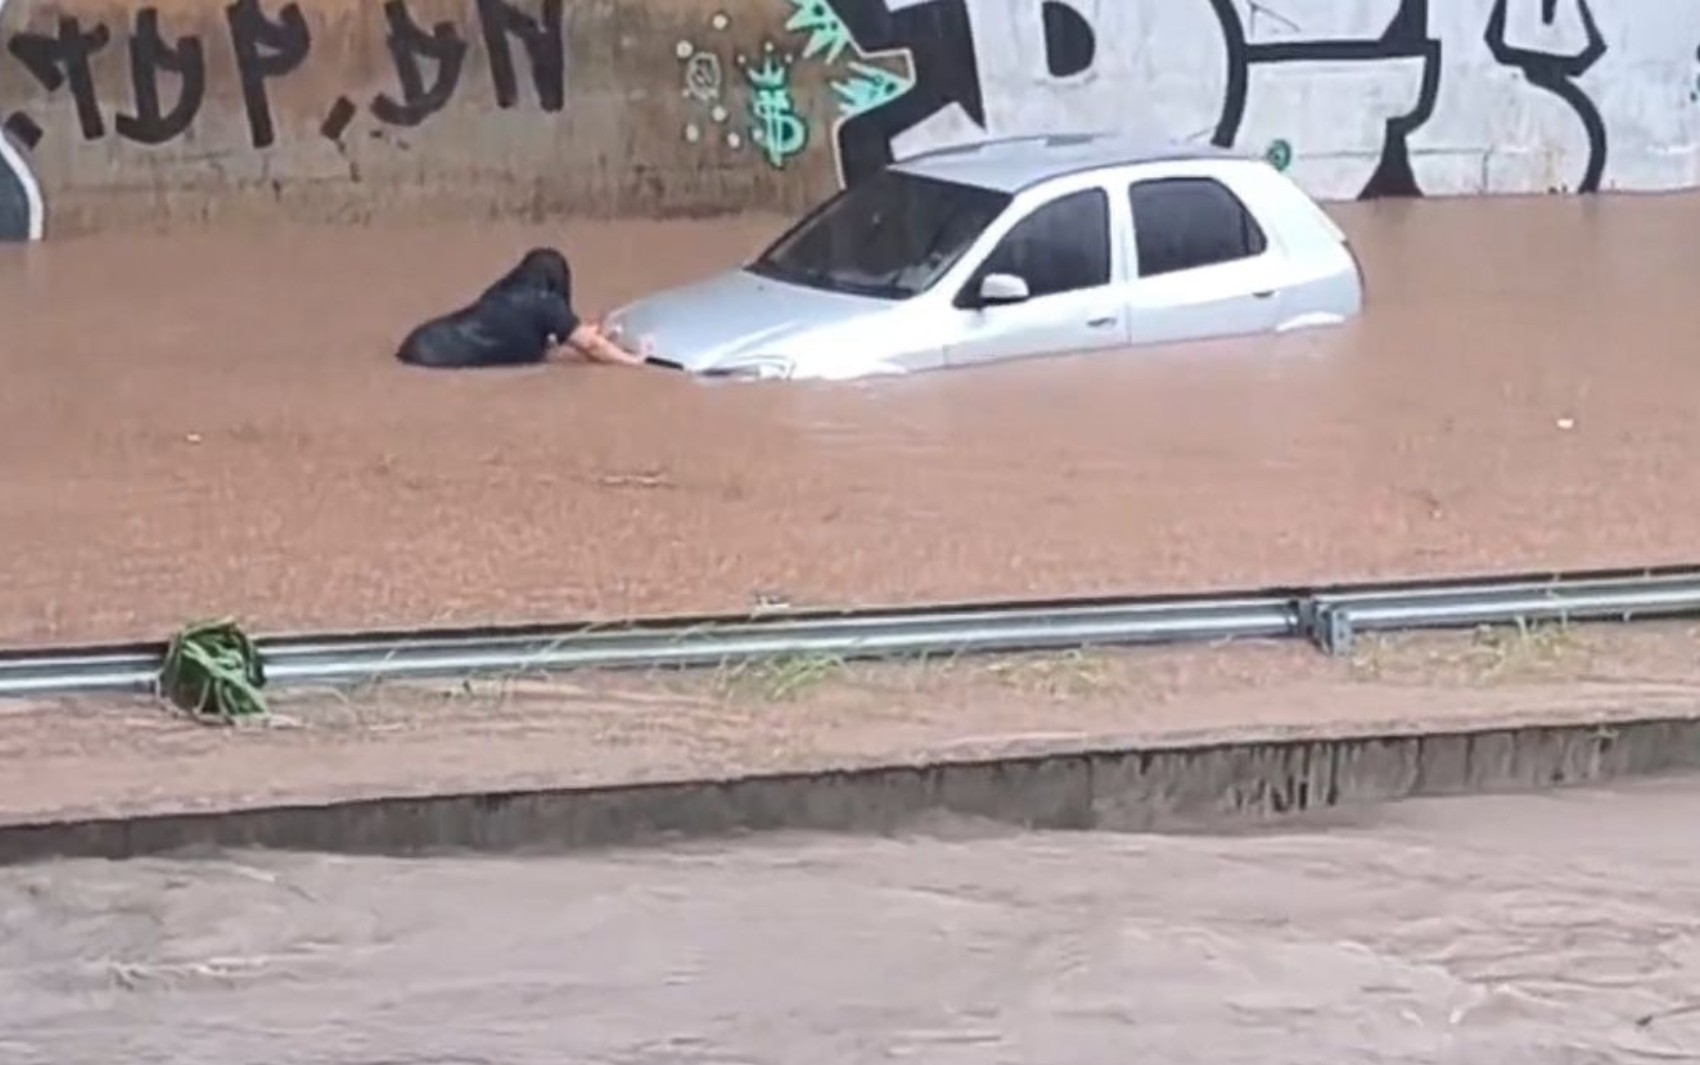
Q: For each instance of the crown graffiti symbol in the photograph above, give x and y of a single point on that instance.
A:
(771, 75)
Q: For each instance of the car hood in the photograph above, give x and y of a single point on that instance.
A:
(735, 316)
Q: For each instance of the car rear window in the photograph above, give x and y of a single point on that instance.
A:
(892, 235)
(1186, 223)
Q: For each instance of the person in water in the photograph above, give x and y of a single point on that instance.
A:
(515, 322)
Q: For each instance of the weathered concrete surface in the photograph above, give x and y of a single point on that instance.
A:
(652, 107)
(594, 132)
(1149, 789)
(1145, 740)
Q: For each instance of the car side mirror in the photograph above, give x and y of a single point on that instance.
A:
(997, 289)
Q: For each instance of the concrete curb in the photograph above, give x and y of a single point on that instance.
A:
(1147, 788)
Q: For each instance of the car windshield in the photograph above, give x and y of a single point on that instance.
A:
(891, 236)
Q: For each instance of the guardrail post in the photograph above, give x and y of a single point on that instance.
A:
(1338, 631)
(1328, 626)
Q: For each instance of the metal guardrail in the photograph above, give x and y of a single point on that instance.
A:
(1333, 619)
(1329, 617)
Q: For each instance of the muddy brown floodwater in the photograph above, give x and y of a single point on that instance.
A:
(1549, 929)
(212, 424)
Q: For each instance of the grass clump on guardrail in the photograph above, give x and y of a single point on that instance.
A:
(776, 678)
(213, 672)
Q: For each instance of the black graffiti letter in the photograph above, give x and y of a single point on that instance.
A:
(64, 60)
(408, 44)
(543, 44)
(940, 40)
(265, 49)
(1557, 74)
(150, 54)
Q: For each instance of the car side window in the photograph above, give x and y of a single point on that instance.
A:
(1063, 246)
(1186, 223)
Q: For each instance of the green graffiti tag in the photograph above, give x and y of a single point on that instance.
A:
(870, 87)
(778, 126)
(827, 32)
(775, 124)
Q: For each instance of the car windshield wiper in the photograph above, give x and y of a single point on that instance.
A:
(889, 285)
(785, 271)
(818, 275)
(881, 287)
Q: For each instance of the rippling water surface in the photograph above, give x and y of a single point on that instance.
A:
(1558, 928)
(1518, 395)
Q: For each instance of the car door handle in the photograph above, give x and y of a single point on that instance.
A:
(1099, 323)
(1265, 294)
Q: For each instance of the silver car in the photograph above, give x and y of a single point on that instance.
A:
(1014, 248)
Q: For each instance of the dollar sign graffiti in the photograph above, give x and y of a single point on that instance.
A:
(780, 132)
(777, 127)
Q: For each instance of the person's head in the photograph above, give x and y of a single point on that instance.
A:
(543, 268)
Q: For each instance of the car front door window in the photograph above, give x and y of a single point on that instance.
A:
(1063, 246)
(1061, 251)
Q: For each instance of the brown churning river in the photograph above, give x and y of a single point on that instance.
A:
(1550, 929)
(212, 423)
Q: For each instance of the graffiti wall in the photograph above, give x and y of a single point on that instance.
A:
(182, 110)
(193, 109)
(1358, 98)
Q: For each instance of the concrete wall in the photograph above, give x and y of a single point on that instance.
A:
(1205, 785)
(119, 114)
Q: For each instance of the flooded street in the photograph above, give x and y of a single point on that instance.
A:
(1518, 395)
(1557, 928)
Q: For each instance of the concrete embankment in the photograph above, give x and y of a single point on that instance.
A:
(1211, 785)
(1205, 738)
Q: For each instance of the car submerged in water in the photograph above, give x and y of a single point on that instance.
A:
(1009, 249)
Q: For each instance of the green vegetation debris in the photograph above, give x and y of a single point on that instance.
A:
(213, 672)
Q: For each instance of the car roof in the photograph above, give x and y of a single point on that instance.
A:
(1011, 164)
